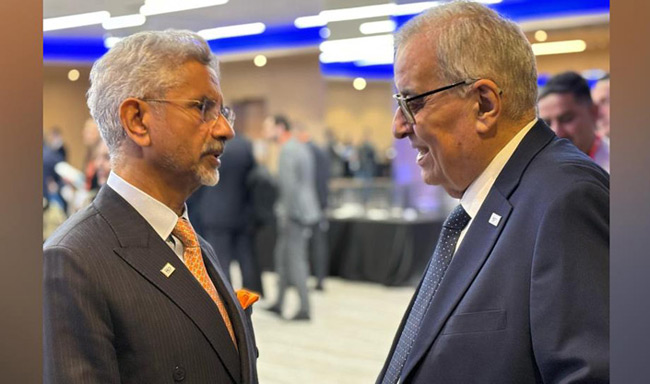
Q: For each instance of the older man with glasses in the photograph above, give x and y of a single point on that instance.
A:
(517, 287)
(131, 293)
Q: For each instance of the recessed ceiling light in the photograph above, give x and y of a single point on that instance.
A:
(260, 60)
(359, 83)
(73, 75)
(541, 35)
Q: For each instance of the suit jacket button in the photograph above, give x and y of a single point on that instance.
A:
(179, 373)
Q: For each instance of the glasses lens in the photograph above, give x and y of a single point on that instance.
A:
(229, 115)
(209, 110)
(406, 111)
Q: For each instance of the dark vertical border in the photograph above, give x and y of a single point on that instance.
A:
(630, 208)
(20, 203)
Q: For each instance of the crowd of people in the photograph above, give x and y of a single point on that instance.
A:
(137, 284)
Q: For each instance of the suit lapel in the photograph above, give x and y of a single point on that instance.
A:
(235, 310)
(477, 244)
(462, 270)
(145, 252)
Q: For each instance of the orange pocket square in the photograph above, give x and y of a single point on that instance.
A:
(246, 298)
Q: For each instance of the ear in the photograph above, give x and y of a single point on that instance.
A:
(133, 114)
(489, 105)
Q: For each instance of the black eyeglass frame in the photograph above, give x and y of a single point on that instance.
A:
(403, 101)
(227, 112)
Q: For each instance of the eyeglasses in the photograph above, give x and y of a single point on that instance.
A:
(208, 108)
(409, 113)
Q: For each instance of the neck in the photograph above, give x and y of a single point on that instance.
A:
(152, 184)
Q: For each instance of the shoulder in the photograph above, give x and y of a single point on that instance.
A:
(561, 169)
(83, 231)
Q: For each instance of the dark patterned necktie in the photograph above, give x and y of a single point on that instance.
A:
(445, 248)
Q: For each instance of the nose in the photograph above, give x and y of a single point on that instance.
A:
(221, 129)
(401, 127)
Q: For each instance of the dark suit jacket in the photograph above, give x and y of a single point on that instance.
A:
(526, 300)
(111, 316)
(228, 204)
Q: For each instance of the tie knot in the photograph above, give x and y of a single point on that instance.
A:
(457, 219)
(183, 230)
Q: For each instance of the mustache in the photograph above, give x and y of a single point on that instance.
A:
(216, 147)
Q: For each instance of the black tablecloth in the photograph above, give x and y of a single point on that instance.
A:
(386, 252)
(392, 253)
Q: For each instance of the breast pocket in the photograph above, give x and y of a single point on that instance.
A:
(476, 322)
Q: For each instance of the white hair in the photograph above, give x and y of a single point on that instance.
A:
(474, 42)
(142, 65)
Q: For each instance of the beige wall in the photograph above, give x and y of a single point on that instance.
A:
(64, 105)
(351, 113)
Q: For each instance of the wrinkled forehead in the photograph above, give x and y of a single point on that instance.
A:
(415, 64)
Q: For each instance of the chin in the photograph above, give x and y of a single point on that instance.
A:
(209, 178)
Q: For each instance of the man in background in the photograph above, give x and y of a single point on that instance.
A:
(565, 105)
(517, 290)
(318, 243)
(297, 211)
(600, 95)
(131, 294)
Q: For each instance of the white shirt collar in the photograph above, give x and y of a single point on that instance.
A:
(476, 193)
(161, 218)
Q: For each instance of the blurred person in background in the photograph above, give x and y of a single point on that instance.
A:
(131, 294)
(56, 142)
(297, 211)
(53, 204)
(223, 214)
(600, 95)
(90, 139)
(318, 243)
(367, 157)
(517, 290)
(565, 105)
(334, 150)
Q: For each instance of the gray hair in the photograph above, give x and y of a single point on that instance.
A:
(141, 65)
(474, 42)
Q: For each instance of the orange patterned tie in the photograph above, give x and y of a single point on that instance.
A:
(194, 262)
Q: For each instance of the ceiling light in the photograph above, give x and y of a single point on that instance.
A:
(259, 60)
(541, 35)
(558, 47)
(156, 7)
(73, 75)
(124, 21)
(359, 83)
(384, 26)
(73, 21)
(368, 11)
(309, 21)
(324, 32)
(357, 42)
(109, 42)
(232, 31)
(377, 48)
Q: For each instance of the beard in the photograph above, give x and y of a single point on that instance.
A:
(208, 176)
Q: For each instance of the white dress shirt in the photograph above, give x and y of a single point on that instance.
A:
(161, 218)
(476, 193)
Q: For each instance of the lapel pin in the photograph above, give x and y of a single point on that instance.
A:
(494, 219)
(167, 270)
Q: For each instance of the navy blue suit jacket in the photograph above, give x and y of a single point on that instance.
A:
(526, 300)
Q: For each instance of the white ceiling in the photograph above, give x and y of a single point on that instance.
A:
(270, 12)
